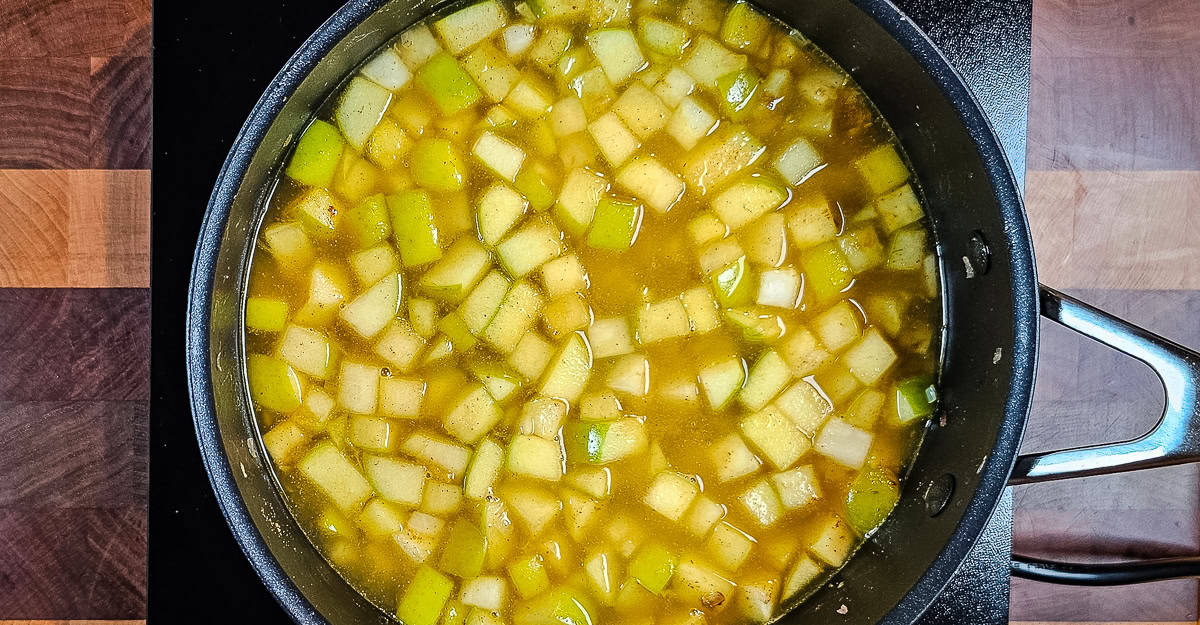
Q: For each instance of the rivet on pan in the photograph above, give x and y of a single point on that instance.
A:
(979, 256)
(937, 494)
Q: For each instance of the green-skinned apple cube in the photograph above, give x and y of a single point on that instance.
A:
(538, 182)
(745, 28)
(483, 470)
(721, 380)
(424, 597)
(745, 201)
(517, 313)
(453, 277)
(499, 155)
(468, 26)
(395, 480)
(734, 285)
(653, 566)
(369, 313)
(826, 270)
(529, 576)
(335, 476)
(359, 110)
(618, 53)
(767, 377)
(708, 60)
(448, 84)
(500, 382)
(535, 243)
(500, 208)
(615, 224)
(652, 182)
(266, 314)
(662, 37)
(414, 228)
(882, 169)
(570, 370)
(576, 206)
(481, 305)
(474, 415)
(274, 385)
(317, 154)
(466, 547)
(367, 222)
(737, 91)
(436, 165)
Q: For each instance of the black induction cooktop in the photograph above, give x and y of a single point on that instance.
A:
(212, 60)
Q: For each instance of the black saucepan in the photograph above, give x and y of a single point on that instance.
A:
(991, 304)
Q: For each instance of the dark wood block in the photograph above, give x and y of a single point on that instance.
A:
(45, 121)
(36, 28)
(73, 454)
(120, 130)
(77, 563)
(69, 344)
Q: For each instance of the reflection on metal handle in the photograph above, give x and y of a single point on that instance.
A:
(1176, 437)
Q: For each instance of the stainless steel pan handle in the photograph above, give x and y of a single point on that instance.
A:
(1175, 439)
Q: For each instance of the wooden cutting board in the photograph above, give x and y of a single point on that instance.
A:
(1113, 195)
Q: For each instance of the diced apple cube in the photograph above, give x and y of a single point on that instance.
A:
(284, 441)
(500, 207)
(327, 288)
(767, 377)
(779, 288)
(630, 375)
(335, 476)
(798, 161)
(372, 264)
(517, 313)
(535, 243)
(661, 321)
(747, 200)
(569, 371)
(721, 380)
(289, 244)
(732, 459)
(450, 87)
(696, 580)
(533, 506)
(358, 387)
(862, 248)
(380, 518)
(359, 110)
(617, 51)
(307, 350)
(451, 278)
(372, 433)
(610, 337)
(882, 169)
(500, 155)
(483, 470)
(468, 26)
(371, 311)
(811, 221)
(417, 45)
(400, 397)
(474, 415)
(690, 123)
(802, 352)
(542, 416)
(757, 599)
(898, 208)
(531, 355)
(721, 156)
(703, 515)
(601, 406)
(652, 182)
(670, 494)
(491, 71)
(616, 142)
(834, 543)
(803, 573)
(775, 437)
(478, 309)
(708, 60)
(395, 480)
(906, 251)
(797, 487)
(580, 511)
(595, 481)
(805, 406)
(615, 225)
(437, 451)
(838, 326)
(701, 308)
(530, 98)
(400, 346)
(642, 111)
(567, 117)
(762, 502)
(870, 357)
(485, 592)
(674, 86)
(441, 499)
(729, 546)
(843, 443)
